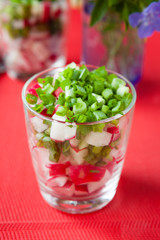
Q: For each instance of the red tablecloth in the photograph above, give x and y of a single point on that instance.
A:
(134, 213)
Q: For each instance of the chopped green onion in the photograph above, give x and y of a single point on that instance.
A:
(105, 109)
(98, 86)
(99, 115)
(107, 93)
(94, 107)
(98, 127)
(116, 82)
(119, 107)
(69, 92)
(112, 103)
(48, 88)
(31, 99)
(99, 99)
(84, 74)
(122, 90)
(76, 74)
(80, 90)
(94, 171)
(38, 107)
(64, 83)
(61, 111)
(61, 98)
(79, 107)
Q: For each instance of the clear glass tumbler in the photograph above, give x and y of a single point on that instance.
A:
(78, 171)
(33, 36)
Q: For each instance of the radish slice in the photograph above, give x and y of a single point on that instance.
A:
(93, 186)
(78, 156)
(38, 124)
(113, 130)
(55, 110)
(98, 139)
(83, 174)
(115, 137)
(61, 131)
(57, 181)
(81, 190)
(46, 11)
(58, 169)
(67, 190)
(59, 118)
(57, 92)
(41, 159)
(74, 142)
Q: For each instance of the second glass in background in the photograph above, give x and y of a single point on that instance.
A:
(33, 36)
(109, 43)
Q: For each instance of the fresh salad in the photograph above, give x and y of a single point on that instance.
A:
(32, 34)
(77, 150)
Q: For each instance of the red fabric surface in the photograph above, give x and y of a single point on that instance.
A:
(134, 213)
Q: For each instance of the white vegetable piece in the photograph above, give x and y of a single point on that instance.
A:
(98, 139)
(38, 124)
(78, 156)
(74, 142)
(61, 131)
(93, 186)
(41, 159)
(57, 181)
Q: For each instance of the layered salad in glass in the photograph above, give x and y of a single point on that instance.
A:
(33, 35)
(78, 135)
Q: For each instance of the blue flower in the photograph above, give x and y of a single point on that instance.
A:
(148, 21)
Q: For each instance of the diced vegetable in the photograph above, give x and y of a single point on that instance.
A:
(98, 139)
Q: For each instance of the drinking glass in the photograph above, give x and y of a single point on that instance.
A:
(33, 35)
(78, 169)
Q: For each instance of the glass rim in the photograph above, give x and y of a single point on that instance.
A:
(117, 116)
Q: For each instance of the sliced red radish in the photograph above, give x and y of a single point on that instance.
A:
(67, 190)
(41, 159)
(86, 173)
(78, 155)
(74, 142)
(38, 124)
(57, 181)
(46, 11)
(61, 131)
(117, 154)
(113, 130)
(98, 139)
(57, 92)
(58, 169)
(33, 92)
(44, 113)
(55, 110)
(110, 165)
(115, 137)
(39, 35)
(94, 186)
(57, 13)
(81, 190)
(59, 118)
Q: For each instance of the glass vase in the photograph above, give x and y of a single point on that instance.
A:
(109, 43)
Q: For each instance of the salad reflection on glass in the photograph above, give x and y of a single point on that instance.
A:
(33, 35)
(78, 121)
